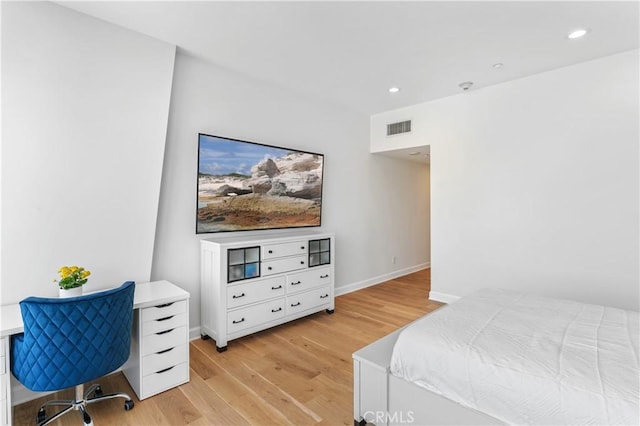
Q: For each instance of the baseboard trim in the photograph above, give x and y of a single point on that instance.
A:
(442, 297)
(344, 289)
(194, 333)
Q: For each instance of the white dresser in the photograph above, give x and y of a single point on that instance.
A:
(251, 283)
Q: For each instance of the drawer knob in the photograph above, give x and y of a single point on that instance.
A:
(164, 306)
(302, 262)
(302, 248)
(293, 305)
(238, 296)
(165, 351)
(324, 276)
(165, 332)
(324, 297)
(277, 288)
(238, 322)
(165, 370)
(269, 268)
(270, 251)
(297, 282)
(276, 310)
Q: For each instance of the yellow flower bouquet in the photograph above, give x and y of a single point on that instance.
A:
(72, 277)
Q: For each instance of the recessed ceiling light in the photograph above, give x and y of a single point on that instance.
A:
(465, 85)
(498, 65)
(414, 153)
(394, 89)
(578, 33)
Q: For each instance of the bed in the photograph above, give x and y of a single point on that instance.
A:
(502, 357)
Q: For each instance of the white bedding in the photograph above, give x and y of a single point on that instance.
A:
(527, 360)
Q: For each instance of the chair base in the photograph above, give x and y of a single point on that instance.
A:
(80, 404)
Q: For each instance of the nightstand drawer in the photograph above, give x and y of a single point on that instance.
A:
(311, 299)
(284, 265)
(157, 382)
(244, 294)
(164, 359)
(163, 324)
(254, 315)
(167, 339)
(272, 251)
(162, 311)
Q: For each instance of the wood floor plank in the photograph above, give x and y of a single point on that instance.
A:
(211, 406)
(200, 363)
(176, 407)
(299, 373)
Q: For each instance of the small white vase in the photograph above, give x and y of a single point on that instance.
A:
(72, 292)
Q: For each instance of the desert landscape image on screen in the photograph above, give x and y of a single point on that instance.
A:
(247, 186)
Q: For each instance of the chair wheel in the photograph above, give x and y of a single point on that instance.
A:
(98, 391)
(86, 419)
(41, 416)
(128, 405)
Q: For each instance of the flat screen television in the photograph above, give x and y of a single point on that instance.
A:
(245, 186)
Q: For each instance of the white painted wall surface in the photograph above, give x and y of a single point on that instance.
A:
(84, 112)
(377, 206)
(535, 183)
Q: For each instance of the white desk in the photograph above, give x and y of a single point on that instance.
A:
(148, 297)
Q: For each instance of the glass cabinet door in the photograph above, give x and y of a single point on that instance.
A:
(319, 252)
(243, 263)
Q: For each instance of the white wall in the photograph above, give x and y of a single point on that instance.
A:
(377, 206)
(84, 113)
(535, 183)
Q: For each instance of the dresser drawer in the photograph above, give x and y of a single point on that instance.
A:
(279, 266)
(167, 339)
(305, 280)
(242, 318)
(272, 251)
(164, 359)
(244, 294)
(162, 311)
(302, 301)
(163, 324)
(157, 382)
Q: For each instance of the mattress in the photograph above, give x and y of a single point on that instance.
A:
(527, 360)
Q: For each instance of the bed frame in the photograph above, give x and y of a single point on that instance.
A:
(383, 399)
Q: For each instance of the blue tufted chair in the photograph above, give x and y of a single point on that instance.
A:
(70, 341)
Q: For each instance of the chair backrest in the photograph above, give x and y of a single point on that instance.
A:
(70, 341)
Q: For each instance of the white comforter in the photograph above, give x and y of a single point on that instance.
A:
(527, 360)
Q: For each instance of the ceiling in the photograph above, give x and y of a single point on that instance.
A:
(350, 53)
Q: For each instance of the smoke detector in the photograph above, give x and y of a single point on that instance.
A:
(466, 85)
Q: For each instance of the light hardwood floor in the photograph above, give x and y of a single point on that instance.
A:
(300, 373)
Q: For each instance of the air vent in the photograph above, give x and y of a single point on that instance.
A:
(397, 128)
